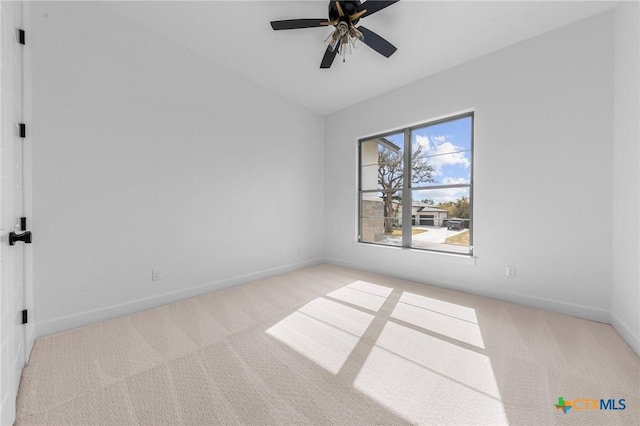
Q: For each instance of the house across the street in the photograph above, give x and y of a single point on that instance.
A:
(426, 215)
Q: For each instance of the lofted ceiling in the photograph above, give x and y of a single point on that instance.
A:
(431, 36)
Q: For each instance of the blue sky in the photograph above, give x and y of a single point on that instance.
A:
(448, 148)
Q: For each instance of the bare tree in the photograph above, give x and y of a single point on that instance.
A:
(390, 177)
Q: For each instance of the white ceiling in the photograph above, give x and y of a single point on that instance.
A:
(431, 36)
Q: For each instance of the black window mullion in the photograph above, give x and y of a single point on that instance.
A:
(406, 193)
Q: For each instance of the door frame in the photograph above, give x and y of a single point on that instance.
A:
(14, 15)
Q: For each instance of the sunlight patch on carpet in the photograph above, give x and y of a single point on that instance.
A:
(429, 381)
(455, 321)
(323, 331)
(363, 294)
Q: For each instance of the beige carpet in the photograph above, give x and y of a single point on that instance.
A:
(328, 345)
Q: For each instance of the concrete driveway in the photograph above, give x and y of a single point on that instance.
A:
(434, 234)
(433, 239)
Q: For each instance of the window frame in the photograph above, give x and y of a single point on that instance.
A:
(408, 187)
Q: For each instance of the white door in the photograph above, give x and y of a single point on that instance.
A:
(12, 270)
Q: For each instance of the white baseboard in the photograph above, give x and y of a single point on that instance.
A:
(8, 409)
(30, 338)
(572, 309)
(626, 333)
(61, 324)
(81, 319)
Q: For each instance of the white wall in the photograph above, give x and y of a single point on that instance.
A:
(543, 138)
(625, 294)
(146, 156)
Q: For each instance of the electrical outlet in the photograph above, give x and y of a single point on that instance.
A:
(156, 274)
(510, 271)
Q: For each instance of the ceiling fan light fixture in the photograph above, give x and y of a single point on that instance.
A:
(345, 46)
(336, 36)
(331, 42)
(356, 37)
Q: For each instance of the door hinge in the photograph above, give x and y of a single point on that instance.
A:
(21, 36)
(23, 130)
(24, 235)
(25, 316)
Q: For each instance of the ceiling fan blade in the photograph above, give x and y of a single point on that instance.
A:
(327, 59)
(294, 24)
(339, 7)
(373, 6)
(357, 15)
(377, 43)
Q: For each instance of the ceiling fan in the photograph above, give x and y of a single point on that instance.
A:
(344, 15)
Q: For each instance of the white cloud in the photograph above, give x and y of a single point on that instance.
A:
(423, 141)
(454, 180)
(441, 195)
(442, 152)
(451, 158)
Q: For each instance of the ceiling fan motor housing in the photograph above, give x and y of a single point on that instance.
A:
(349, 8)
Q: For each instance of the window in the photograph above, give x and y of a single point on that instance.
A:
(416, 187)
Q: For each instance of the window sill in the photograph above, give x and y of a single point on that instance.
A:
(458, 258)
